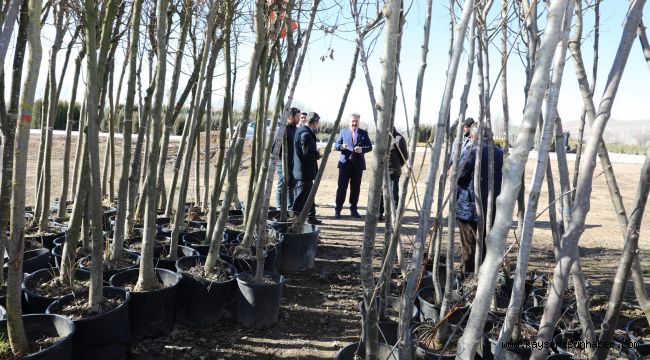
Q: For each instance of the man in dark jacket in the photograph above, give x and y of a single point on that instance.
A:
(352, 142)
(289, 133)
(465, 205)
(397, 156)
(305, 165)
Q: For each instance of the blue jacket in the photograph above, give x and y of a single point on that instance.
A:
(465, 209)
(347, 155)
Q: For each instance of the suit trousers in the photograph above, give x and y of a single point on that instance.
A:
(348, 174)
(302, 193)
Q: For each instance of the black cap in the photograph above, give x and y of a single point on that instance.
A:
(468, 122)
(312, 117)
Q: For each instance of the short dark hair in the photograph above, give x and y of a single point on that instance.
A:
(294, 111)
(468, 122)
(312, 117)
(303, 114)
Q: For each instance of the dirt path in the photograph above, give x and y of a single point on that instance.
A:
(319, 312)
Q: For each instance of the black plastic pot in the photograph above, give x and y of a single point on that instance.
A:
(510, 353)
(200, 302)
(34, 260)
(637, 325)
(108, 273)
(258, 305)
(430, 311)
(350, 352)
(642, 351)
(151, 313)
(195, 241)
(105, 336)
(181, 251)
(158, 245)
(388, 329)
(299, 250)
(422, 353)
(38, 326)
(34, 303)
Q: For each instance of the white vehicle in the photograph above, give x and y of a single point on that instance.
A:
(250, 130)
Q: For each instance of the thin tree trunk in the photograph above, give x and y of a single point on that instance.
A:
(63, 197)
(627, 257)
(495, 241)
(8, 27)
(583, 192)
(9, 127)
(120, 231)
(260, 42)
(79, 150)
(525, 242)
(406, 303)
(147, 279)
(504, 78)
(581, 128)
(223, 123)
(44, 216)
(186, 19)
(210, 47)
(15, 329)
(95, 71)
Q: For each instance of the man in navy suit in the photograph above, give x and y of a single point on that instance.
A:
(305, 165)
(352, 142)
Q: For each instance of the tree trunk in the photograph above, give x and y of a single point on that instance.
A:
(63, 197)
(581, 127)
(95, 71)
(525, 242)
(583, 192)
(9, 127)
(147, 278)
(8, 27)
(504, 78)
(627, 257)
(15, 328)
(210, 47)
(495, 241)
(223, 123)
(44, 216)
(120, 231)
(260, 42)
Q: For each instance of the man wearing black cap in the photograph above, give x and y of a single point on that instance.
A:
(467, 124)
(305, 165)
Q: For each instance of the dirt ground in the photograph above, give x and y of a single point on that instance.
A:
(319, 312)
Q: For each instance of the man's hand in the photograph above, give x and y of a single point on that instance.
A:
(344, 146)
(357, 149)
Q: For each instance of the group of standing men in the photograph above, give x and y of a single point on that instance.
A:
(302, 156)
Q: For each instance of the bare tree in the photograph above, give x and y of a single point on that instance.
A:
(495, 241)
(583, 191)
(15, 328)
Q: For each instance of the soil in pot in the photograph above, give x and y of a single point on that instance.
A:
(226, 251)
(78, 309)
(164, 262)
(49, 337)
(135, 244)
(112, 267)
(201, 296)
(43, 287)
(429, 348)
(195, 240)
(151, 313)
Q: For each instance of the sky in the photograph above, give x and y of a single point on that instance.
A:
(322, 82)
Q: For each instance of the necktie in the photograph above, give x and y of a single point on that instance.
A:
(354, 141)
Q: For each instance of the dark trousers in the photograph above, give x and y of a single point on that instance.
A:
(467, 231)
(394, 188)
(302, 193)
(348, 175)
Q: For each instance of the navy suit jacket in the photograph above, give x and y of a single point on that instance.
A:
(347, 155)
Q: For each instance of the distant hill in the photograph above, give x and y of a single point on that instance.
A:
(635, 132)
